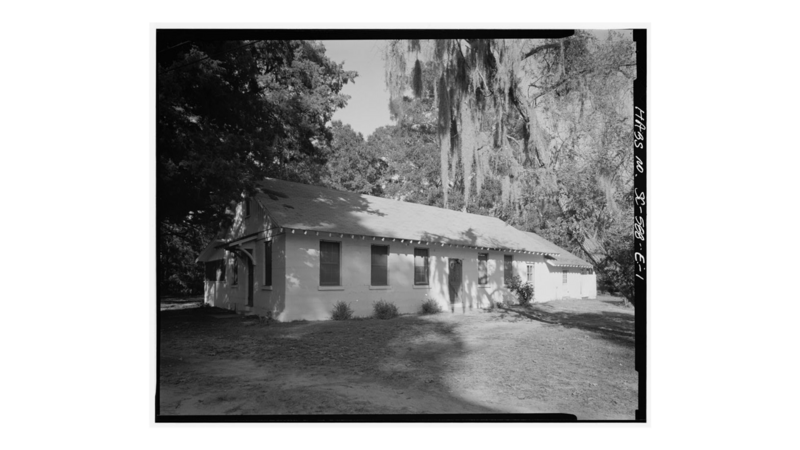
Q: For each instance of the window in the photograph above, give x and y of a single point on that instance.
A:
(268, 263)
(564, 276)
(329, 263)
(380, 265)
(235, 281)
(483, 274)
(215, 270)
(508, 268)
(421, 266)
(247, 207)
(530, 273)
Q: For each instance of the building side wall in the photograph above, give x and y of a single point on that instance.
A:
(589, 285)
(267, 300)
(573, 288)
(543, 287)
(258, 220)
(306, 299)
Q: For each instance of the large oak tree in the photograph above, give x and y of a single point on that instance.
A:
(228, 114)
(544, 124)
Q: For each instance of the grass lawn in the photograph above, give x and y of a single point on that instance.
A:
(213, 362)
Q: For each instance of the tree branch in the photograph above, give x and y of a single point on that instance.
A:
(586, 252)
(515, 101)
(560, 83)
(515, 140)
(540, 48)
(576, 75)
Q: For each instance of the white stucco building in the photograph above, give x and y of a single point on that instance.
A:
(294, 250)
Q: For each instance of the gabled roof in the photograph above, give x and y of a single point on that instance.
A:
(212, 252)
(304, 207)
(564, 259)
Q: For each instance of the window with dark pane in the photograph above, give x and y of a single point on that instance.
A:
(508, 268)
(247, 207)
(329, 263)
(421, 266)
(268, 263)
(380, 265)
(483, 273)
(211, 270)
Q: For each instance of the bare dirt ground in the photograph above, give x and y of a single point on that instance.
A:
(214, 362)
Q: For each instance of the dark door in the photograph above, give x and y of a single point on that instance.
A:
(251, 279)
(454, 281)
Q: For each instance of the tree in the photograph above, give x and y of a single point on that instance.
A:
(543, 124)
(231, 113)
(228, 114)
(410, 146)
(179, 246)
(352, 165)
(412, 172)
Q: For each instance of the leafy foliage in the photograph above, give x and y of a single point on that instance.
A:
(352, 165)
(341, 311)
(410, 149)
(179, 275)
(524, 291)
(535, 132)
(430, 306)
(411, 172)
(383, 309)
(228, 114)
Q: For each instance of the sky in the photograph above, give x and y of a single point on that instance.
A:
(368, 107)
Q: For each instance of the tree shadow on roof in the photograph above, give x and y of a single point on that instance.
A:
(273, 194)
(316, 208)
(467, 237)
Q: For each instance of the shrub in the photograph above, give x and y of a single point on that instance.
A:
(524, 291)
(384, 310)
(341, 311)
(431, 306)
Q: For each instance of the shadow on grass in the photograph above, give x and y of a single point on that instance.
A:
(614, 326)
(616, 302)
(408, 352)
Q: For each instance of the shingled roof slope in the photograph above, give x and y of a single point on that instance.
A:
(304, 207)
(564, 259)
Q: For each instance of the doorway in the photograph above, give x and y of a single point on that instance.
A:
(251, 279)
(454, 282)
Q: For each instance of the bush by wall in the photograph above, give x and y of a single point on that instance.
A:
(524, 291)
(384, 310)
(341, 311)
(431, 306)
